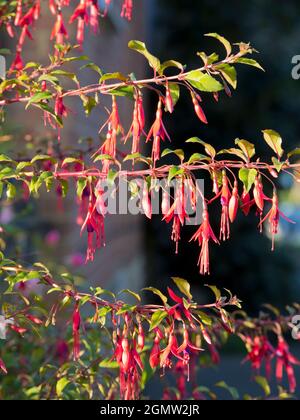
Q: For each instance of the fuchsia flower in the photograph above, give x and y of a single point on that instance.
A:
(198, 109)
(177, 212)
(3, 367)
(94, 224)
(260, 352)
(158, 133)
(127, 9)
(94, 15)
(18, 13)
(225, 200)
(203, 235)
(234, 203)
(137, 126)
(59, 31)
(81, 15)
(285, 360)
(76, 332)
(273, 218)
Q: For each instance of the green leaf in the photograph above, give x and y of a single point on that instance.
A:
(4, 158)
(203, 81)
(274, 140)
(141, 48)
(81, 184)
(157, 293)
(232, 391)
(177, 152)
(170, 63)
(229, 74)
(264, 384)
(130, 292)
(111, 177)
(175, 92)
(210, 150)
(223, 40)
(123, 91)
(64, 187)
(294, 152)
(10, 191)
(249, 62)
(38, 97)
(22, 165)
(247, 176)
(109, 364)
(61, 385)
(197, 157)
(70, 160)
(216, 291)
(235, 152)
(278, 165)
(247, 148)
(183, 286)
(157, 319)
(89, 103)
(38, 158)
(204, 318)
(174, 172)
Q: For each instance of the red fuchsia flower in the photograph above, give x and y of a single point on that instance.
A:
(59, 31)
(198, 109)
(137, 126)
(273, 218)
(187, 344)
(146, 202)
(260, 352)
(154, 359)
(169, 351)
(81, 15)
(285, 360)
(94, 224)
(141, 337)
(62, 351)
(234, 203)
(158, 133)
(127, 9)
(76, 332)
(3, 367)
(215, 356)
(246, 202)
(18, 13)
(225, 199)
(52, 7)
(169, 100)
(94, 15)
(177, 213)
(10, 30)
(18, 329)
(259, 197)
(34, 319)
(216, 189)
(203, 235)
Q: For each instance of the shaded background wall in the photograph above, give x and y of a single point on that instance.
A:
(263, 100)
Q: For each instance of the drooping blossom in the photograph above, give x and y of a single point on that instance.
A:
(225, 200)
(261, 353)
(146, 201)
(76, 323)
(177, 212)
(81, 15)
(203, 235)
(234, 203)
(273, 218)
(59, 31)
(94, 15)
(137, 126)
(94, 225)
(286, 361)
(127, 8)
(157, 133)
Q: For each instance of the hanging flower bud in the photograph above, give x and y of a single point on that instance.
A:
(259, 196)
(165, 204)
(76, 332)
(225, 198)
(3, 367)
(94, 16)
(155, 353)
(146, 202)
(198, 109)
(234, 203)
(52, 7)
(169, 99)
(141, 337)
(18, 13)
(9, 29)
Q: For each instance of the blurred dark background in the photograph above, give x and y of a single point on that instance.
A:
(244, 264)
